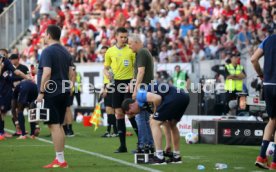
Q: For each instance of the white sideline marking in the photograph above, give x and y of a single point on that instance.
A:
(98, 155)
(193, 157)
(25, 146)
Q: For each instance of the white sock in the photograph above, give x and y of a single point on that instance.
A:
(159, 154)
(176, 154)
(60, 157)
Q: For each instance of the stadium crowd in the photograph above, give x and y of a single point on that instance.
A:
(173, 30)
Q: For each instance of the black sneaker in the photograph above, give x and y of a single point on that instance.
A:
(174, 160)
(121, 150)
(70, 133)
(16, 134)
(138, 150)
(105, 135)
(151, 149)
(156, 161)
(168, 154)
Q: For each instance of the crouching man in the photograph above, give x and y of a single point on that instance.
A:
(169, 105)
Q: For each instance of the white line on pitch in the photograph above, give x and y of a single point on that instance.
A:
(98, 155)
(24, 146)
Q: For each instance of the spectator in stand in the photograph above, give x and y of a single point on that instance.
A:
(163, 55)
(173, 12)
(197, 9)
(152, 17)
(244, 37)
(164, 21)
(217, 11)
(198, 54)
(81, 57)
(185, 27)
(43, 6)
(221, 28)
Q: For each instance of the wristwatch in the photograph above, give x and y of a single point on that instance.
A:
(42, 92)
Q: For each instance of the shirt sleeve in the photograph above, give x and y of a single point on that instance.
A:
(141, 97)
(107, 58)
(46, 59)
(142, 59)
(261, 46)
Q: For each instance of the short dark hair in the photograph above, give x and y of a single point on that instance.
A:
(14, 56)
(54, 31)
(104, 47)
(126, 103)
(121, 30)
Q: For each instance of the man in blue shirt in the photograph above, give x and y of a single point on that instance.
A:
(267, 49)
(6, 72)
(169, 105)
(55, 68)
(24, 94)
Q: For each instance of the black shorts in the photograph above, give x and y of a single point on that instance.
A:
(25, 93)
(172, 107)
(108, 100)
(57, 106)
(270, 100)
(70, 101)
(5, 101)
(120, 95)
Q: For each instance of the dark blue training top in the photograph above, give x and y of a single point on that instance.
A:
(6, 77)
(59, 60)
(164, 90)
(269, 48)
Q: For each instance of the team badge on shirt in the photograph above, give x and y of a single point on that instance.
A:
(126, 62)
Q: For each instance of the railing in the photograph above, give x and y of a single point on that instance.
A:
(14, 21)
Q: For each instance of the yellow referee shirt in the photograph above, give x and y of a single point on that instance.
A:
(121, 62)
(106, 80)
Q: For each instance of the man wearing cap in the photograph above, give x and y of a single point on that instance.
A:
(234, 75)
(163, 20)
(173, 12)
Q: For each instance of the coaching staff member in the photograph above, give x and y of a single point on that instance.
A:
(55, 66)
(143, 74)
(268, 75)
(169, 106)
(120, 59)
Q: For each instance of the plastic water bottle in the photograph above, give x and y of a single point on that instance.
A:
(220, 166)
(201, 167)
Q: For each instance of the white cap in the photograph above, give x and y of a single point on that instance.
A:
(162, 11)
(172, 5)
(217, 2)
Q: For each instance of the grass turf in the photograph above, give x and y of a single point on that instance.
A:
(30, 155)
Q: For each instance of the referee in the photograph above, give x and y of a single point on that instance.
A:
(267, 49)
(119, 60)
(55, 67)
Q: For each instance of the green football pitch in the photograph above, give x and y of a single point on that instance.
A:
(87, 151)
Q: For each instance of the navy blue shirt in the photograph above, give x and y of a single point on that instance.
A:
(59, 60)
(269, 48)
(162, 90)
(6, 77)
